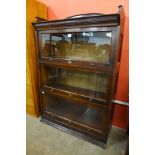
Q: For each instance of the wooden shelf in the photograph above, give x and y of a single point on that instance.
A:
(78, 65)
(77, 90)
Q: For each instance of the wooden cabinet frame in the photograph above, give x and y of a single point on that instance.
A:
(92, 119)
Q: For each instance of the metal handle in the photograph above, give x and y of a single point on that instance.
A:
(69, 94)
(52, 89)
(50, 59)
(69, 122)
(69, 61)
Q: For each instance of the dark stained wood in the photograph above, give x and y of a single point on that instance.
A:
(79, 65)
(73, 108)
(79, 132)
(77, 98)
(75, 91)
(40, 19)
(103, 20)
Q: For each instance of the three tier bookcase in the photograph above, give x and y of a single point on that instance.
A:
(77, 61)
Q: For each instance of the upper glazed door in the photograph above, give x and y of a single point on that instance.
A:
(79, 47)
(82, 46)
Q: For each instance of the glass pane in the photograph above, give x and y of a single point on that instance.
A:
(91, 117)
(83, 46)
(86, 83)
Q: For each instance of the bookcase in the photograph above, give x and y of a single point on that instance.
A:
(77, 60)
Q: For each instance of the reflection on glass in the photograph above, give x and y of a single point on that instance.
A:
(92, 84)
(84, 46)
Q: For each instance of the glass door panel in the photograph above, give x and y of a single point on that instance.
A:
(86, 83)
(82, 46)
(70, 111)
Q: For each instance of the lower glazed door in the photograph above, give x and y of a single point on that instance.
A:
(90, 119)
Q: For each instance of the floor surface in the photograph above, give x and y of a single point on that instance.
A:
(42, 139)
